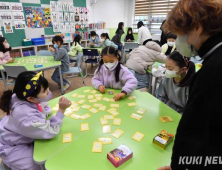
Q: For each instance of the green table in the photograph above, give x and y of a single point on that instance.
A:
(29, 62)
(77, 154)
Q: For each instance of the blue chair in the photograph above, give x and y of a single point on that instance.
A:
(13, 72)
(77, 69)
(44, 53)
(91, 53)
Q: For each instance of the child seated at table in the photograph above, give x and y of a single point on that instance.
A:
(175, 86)
(170, 46)
(25, 122)
(112, 74)
(106, 42)
(94, 40)
(76, 48)
(129, 36)
(60, 53)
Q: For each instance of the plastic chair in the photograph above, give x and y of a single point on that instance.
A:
(4, 167)
(77, 69)
(91, 53)
(44, 53)
(13, 72)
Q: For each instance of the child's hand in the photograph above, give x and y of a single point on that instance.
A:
(11, 61)
(51, 49)
(102, 89)
(118, 96)
(91, 43)
(64, 103)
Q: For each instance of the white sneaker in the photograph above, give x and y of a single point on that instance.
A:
(66, 87)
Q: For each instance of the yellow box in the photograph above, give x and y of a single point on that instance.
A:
(163, 139)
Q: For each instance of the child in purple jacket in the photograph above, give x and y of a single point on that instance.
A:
(25, 120)
(112, 74)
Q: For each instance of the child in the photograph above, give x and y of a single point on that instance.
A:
(117, 38)
(24, 121)
(94, 40)
(112, 74)
(170, 47)
(129, 37)
(105, 41)
(175, 85)
(141, 58)
(76, 47)
(4, 52)
(60, 53)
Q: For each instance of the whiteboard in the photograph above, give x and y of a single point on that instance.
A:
(34, 32)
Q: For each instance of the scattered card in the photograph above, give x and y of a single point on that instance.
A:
(166, 119)
(106, 129)
(117, 133)
(76, 109)
(93, 101)
(67, 138)
(85, 116)
(106, 99)
(68, 112)
(84, 127)
(93, 91)
(103, 121)
(81, 96)
(75, 116)
(103, 108)
(114, 105)
(108, 117)
(135, 116)
(141, 111)
(90, 96)
(97, 105)
(112, 109)
(93, 110)
(85, 106)
(99, 98)
(111, 100)
(74, 105)
(86, 91)
(98, 95)
(131, 97)
(74, 95)
(81, 101)
(97, 147)
(117, 121)
(138, 136)
(55, 108)
(114, 113)
(105, 140)
(132, 104)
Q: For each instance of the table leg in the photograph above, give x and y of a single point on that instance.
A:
(4, 80)
(61, 81)
(150, 83)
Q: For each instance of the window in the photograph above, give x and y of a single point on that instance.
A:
(152, 13)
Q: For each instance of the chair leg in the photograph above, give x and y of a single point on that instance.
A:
(83, 78)
(86, 70)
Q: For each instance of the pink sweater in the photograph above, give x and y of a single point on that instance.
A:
(4, 57)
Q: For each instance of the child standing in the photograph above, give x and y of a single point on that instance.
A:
(94, 40)
(60, 53)
(76, 47)
(112, 74)
(25, 122)
(129, 37)
(175, 85)
(105, 41)
(4, 52)
(170, 46)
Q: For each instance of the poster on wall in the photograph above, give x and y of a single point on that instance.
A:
(72, 17)
(19, 24)
(7, 27)
(16, 6)
(18, 16)
(67, 27)
(5, 15)
(72, 27)
(66, 17)
(65, 6)
(54, 16)
(71, 7)
(61, 27)
(5, 6)
(38, 17)
(53, 6)
(60, 16)
(55, 27)
(59, 6)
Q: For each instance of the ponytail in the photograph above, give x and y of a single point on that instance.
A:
(5, 101)
(105, 35)
(187, 79)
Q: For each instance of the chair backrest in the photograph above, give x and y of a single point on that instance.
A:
(44, 53)
(130, 45)
(90, 52)
(79, 59)
(14, 71)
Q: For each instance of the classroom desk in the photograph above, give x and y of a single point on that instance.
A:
(77, 154)
(50, 64)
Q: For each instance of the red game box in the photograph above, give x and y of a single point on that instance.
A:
(119, 155)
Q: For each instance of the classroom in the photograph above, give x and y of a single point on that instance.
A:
(110, 84)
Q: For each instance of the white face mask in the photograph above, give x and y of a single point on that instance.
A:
(93, 38)
(171, 74)
(110, 65)
(184, 48)
(171, 43)
(102, 40)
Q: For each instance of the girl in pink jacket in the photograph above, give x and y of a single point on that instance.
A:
(112, 74)
(4, 51)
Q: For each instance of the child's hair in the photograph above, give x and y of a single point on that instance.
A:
(172, 36)
(20, 84)
(182, 61)
(120, 27)
(105, 35)
(140, 24)
(112, 51)
(77, 39)
(93, 33)
(2, 48)
(129, 29)
(56, 39)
